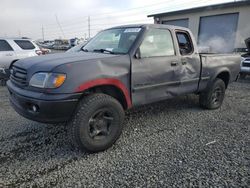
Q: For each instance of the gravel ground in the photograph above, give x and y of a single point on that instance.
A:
(172, 144)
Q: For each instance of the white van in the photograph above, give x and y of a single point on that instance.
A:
(13, 49)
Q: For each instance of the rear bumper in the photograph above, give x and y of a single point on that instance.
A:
(48, 108)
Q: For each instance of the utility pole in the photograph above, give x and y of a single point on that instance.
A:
(60, 27)
(89, 25)
(43, 32)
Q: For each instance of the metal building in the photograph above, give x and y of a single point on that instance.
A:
(222, 27)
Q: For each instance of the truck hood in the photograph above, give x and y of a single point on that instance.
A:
(49, 62)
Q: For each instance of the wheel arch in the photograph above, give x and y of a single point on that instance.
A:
(108, 86)
(225, 76)
(13, 63)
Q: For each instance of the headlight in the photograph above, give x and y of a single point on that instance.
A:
(47, 80)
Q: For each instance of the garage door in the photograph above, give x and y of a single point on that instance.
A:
(179, 22)
(218, 32)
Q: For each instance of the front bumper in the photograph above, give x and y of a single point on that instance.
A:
(41, 107)
(245, 70)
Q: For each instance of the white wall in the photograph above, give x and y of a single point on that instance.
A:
(243, 29)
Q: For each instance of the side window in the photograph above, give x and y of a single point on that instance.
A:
(185, 43)
(25, 44)
(157, 42)
(4, 46)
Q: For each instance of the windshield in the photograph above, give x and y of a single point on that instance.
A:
(115, 41)
(76, 48)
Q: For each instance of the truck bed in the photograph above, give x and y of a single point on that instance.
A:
(212, 64)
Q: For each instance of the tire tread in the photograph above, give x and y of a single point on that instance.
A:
(82, 110)
(204, 100)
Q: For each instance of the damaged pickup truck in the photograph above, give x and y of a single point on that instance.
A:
(119, 68)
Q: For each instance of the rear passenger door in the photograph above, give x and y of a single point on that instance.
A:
(27, 49)
(155, 72)
(190, 63)
(7, 54)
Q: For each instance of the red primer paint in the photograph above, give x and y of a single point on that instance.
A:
(107, 81)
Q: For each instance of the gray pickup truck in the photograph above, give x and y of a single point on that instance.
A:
(119, 68)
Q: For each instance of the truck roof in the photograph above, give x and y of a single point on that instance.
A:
(171, 27)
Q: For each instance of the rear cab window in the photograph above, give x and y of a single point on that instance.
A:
(25, 44)
(184, 42)
(4, 46)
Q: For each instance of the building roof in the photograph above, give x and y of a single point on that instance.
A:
(203, 8)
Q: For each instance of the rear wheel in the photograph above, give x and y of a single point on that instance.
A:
(97, 123)
(214, 96)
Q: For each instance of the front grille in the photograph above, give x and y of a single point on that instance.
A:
(18, 76)
(245, 64)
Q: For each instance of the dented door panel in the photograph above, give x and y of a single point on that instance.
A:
(155, 78)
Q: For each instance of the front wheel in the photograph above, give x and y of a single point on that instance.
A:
(2, 82)
(97, 123)
(214, 96)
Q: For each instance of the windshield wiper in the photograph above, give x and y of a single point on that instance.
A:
(85, 50)
(103, 50)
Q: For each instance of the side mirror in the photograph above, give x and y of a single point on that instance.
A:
(183, 51)
(138, 54)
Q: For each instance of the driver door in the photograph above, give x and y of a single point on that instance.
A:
(156, 68)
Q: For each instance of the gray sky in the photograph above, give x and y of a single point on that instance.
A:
(26, 17)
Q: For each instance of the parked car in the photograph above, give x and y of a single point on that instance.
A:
(45, 51)
(61, 44)
(77, 48)
(118, 69)
(245, 63)
(46, 44)
(13, 49)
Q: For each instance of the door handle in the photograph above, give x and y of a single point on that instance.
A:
(174, 63)
(9, 54)
(184, 63)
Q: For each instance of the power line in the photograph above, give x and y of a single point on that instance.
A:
(76, 23)
(113, 18)
(59, 25)
(43, 32)
(85, 19)
(89, 26)
(94, 19)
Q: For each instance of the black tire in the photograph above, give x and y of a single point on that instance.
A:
(97, 123)
(214, 96)
(243, 75)
(2, 82)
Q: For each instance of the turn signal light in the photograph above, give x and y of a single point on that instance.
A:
(59, 80)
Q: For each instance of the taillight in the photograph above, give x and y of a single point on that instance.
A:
(39, 52)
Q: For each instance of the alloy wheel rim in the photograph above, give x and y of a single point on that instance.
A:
(216, 96)
(100, 124)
